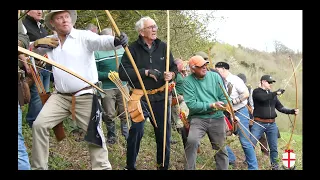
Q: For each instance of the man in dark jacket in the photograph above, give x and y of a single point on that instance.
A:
(149, 54)
(265, 104)
(37, 33)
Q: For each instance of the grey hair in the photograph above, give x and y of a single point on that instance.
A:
(140, 23)
(106, 31)
(177, 61)
(91, 26)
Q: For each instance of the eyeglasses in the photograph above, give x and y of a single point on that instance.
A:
(202, 65)
(152, 27)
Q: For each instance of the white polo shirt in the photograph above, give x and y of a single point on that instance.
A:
(238, 88)
(77, 54)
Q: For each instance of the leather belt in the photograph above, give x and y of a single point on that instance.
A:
(73, 101)
(154, 91)
(264, 120)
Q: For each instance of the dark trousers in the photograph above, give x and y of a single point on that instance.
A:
(137, 129)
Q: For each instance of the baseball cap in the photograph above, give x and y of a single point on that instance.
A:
(197, 61)
(243, 77)
(267, 78)
(222, 65)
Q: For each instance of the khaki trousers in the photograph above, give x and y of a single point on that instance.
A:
(54, 111)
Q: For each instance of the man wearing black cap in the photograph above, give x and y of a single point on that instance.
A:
(265, 103)
(239, 94)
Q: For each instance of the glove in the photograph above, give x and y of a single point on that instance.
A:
(280, 91)
(39, 63)
(122, 40)
(47, 42)
(155, 73)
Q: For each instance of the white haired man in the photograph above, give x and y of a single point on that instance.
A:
(149, 54)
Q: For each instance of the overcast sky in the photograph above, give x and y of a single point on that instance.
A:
(258, 29)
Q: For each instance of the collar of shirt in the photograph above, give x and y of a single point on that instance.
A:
(229, 77)
(73, 34)
(147, 47)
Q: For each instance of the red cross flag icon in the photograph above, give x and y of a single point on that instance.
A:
(288, 158)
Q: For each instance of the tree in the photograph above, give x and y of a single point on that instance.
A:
(280, 48)
(188, 29)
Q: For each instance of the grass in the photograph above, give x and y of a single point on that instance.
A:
(72, 154)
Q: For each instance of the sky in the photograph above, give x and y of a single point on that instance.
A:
(259, 29)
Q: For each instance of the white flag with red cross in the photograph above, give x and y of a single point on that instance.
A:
(288, 158)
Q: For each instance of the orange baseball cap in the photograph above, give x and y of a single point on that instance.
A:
(197, 61)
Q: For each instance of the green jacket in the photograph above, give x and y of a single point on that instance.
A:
(106, 62)
(199, 94)
(179, 83)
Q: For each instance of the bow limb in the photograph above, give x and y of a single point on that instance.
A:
(209, 57)
(231, 111)
(123, 99)
(166, 91)
(295, 69)
(35, 55)
(97, 20)
(134, 67)
(295, 116)
(229, 108)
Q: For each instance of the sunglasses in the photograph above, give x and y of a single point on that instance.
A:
(202, 65)
(270, 82)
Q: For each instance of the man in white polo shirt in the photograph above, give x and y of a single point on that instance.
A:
(72, 95)
(239, 94)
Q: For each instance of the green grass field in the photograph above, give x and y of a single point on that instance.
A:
(72, 154)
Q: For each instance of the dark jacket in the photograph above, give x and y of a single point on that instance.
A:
(33, 30)
(265, 103)
(146, 60)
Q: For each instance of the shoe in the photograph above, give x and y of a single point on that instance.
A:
(245, 162)
(173, 141)
(111, 140)
(126, 168)
(78, 135)
(275, 167)
(233, 165)
(159, 167)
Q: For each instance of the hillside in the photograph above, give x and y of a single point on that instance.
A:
(72, 153)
